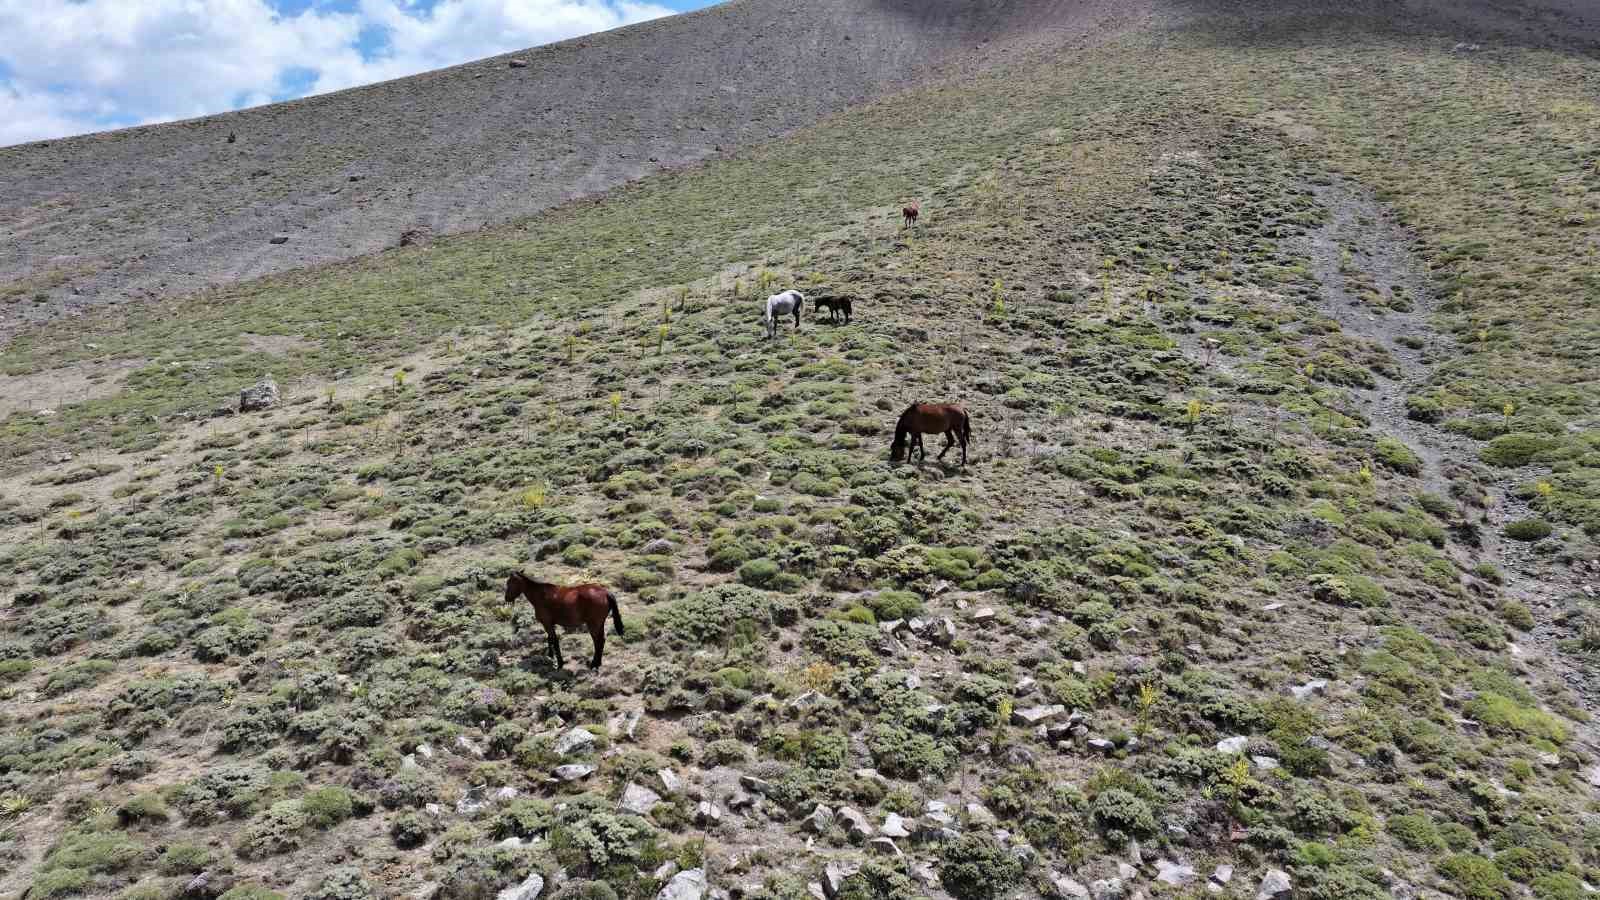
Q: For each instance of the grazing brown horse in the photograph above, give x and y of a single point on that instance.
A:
(910, 211)
(834, 306)
(581, 605)
(930, 418)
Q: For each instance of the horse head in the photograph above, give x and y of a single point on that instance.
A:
(897, 450)
(515, 585)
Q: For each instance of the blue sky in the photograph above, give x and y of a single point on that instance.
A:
(73, 66)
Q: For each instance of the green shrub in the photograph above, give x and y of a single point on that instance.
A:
(344, 883)
(1517, 615)
(59, 882)
(1415, 832)
(887, 606)
(1457, 836)
(1501, 714)
(278, 830)
(1397, 456)
(143, 809)
(1474, 877)
(250, 892)
(92, 851)
(327, 806)
(1519, 449)
(976, 867)
(1121, 816)
(1529, 530)
(184, 859)
(1559, 886)
(758, 572)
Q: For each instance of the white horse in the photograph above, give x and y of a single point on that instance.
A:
(783, 304)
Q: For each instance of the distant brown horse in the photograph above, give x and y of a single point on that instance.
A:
(930, 418)
(910, 211)
(581, 605)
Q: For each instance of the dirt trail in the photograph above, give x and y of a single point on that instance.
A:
(1361, 237)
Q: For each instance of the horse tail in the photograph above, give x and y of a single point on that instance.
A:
(616, 615)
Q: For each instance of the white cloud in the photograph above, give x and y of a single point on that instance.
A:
(71, 66)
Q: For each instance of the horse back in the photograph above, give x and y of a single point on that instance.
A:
(572, 607)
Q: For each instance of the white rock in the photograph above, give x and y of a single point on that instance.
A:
(576, 740)
(978, 814)
(466, 747)
(1552, 760)
(1272, 607)
(574, 771)
(665, 871)
(1316, 687)
(424, 751)
(1275, 886)
(1264, 763)
(1025, 687)
(834, 875)
(1126, 871)
(855, 823)
(884, 847)
(707, 814)
(670, 782)
(1172, 873)
(1235, 744)
(1037, 715)
(1068, 889)
(686, 885)
(638, 799)
(820, 820)
(983, 615)
(1223, 874)
(530, 889)
(1101, 745)
(895, 827)
(1106, 889)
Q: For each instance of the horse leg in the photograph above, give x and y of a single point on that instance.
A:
(963, 437)
(554, 648)
(949, 441)
(598, 633)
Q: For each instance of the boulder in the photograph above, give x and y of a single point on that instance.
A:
(855, 823)
(983, 615)
(1316, 687)
(689, 884)
(707, 814)
(574, 771)
(755, 785)
(1106, 889)
(278, 239)
(1037, 715)
(883, 847)
(1223, 874)
(1275, 886)
(516, 63)
(943, 632)
(1264, 763)
(658, 547)
(638, 799)
(820, 820)
(978, 814)
(895, 827)
(1236, 744)
(262, 395)
(1067, 888)
(575, 741)
(530, 889)
(670, 782)
(834, 875)
(1101, 745)
(1168, 872)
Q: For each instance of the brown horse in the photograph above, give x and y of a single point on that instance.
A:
(930, 418)
(581, 605)
(910, 211)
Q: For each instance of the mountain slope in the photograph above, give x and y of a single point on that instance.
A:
(171, 209)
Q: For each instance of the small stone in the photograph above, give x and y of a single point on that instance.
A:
(466, 747)
(1236, 744)
(1223, 874)
(1079, 669)
(670, 782)
(1172, 873)
(1025, 687)
(924, 874)
(574, 741)
(944, 633)
(1264, 763)
(473, 802)
(1069, 889)
(707, 814)
(665, 871)
(516, 63)
(574, 771)
(1551, 760)
(979, 814)
(855, 823)
(1126, 871)
(1272, 607)
(1101, 745)
(433, 809)
(530, 889)
(820, 820)
(983, 615)
(689, 884)
(506, 795)
(1275, 886)
(895, 827)
(806, 700)
(1177, 833)
(883, 847)
(278, 239)
(658, 547)
(638, 799)
(871, 775)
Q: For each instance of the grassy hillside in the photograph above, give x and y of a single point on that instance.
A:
(1279, 354)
